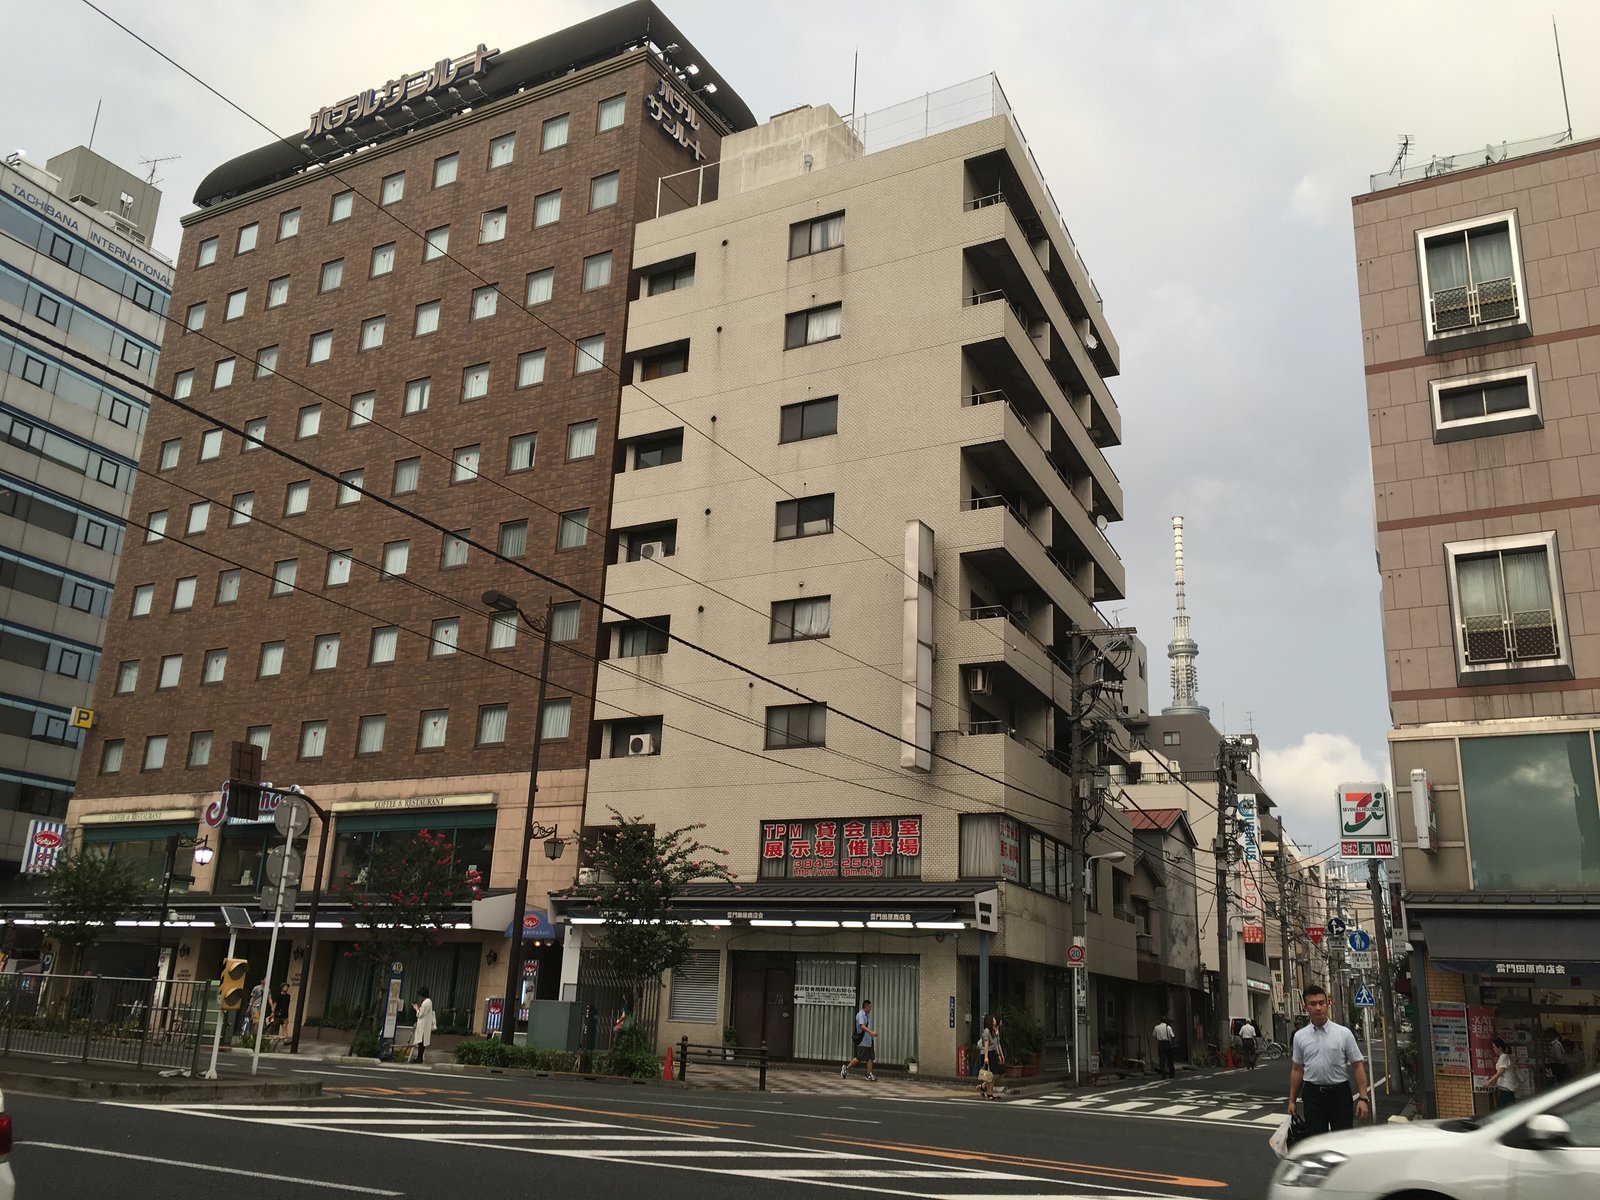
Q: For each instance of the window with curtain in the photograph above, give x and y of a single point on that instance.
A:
(573, 530)
(283, 576)
(418, 393)
(802, 619)
(321, 346)
(171, 670)
(502, 630)
(271, 660)
(793, 725)
(485, 302)
(813, 325)
(325, 652)
(313, 737)
(338, 568)
(200, 748)
(635, 638)
(597, 271)
(406, 473)
(297, 497)
(817, 235)
(332, 275)
(541, 286)
(503, 150)
(475, 382)
(446, 633)
(183, 594)
(520, 452)
(530, 368)
(514, 539)
(556, 720)
(581, 439)
(266, 362)
(260, 736)
(362, 407)
(216, 668)
(385, 640)
(892, 983)
(369, 736)
(111, 756)
(464, 463)
(127, 677)
(444, 170)
(432, 729)
(554, 133)
(427, 318)
(382, 260)
(1506, 605)
(453, 553)
(278, 292)
(603, 191)
(155, 752)
(492, 724)
(393, 188)
(436, 244)
(349, 481)
(591, 354)
(396, 557)
(564, 622)
(804, 517)
(492, 226)
(611, 112)
(372, 333)
(1472, 276)
(547, 209)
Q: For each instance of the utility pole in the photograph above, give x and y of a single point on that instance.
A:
(1280, 867)
(1380, 934)
(1232, 755)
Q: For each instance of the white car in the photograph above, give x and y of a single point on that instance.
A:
(1545, 1148)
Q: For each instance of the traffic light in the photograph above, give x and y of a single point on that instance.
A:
(231, 996)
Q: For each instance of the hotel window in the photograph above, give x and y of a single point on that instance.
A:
(127, 677)
(288, 224)
(432, 729)
(407, 472)
(801, 620)
(155, 752)
(313, 736)
(659, 364)
(343, 203)
(195, 318)
(1472, 276)
(283, 576)
(513, 539)
(338, 572)
(210, 445)
(393, 188)
(182, 385)
(812, 326)
(244, 505)
(1484, 404)
(638, 638)
(791, 725)
(554, 134)
(247, 238)
(271, 661)
(382, 260)
(807, 516)
(492, 226)
(111, 757)
(396, 558)
(236, 304)
(372, 333)
(296, 498)
(591, 354)
(612, 110)
(199, 517)
(502, 630)
(321, 346)
(564, 622)
(808, 419)
(349, 482)
(443, 637)
(47, 309)
(222, 375)
(603, 191)
(418, 393)
(155, 526)
(228, 585)
(453, 553)
(485, 301)
(492, 725)
(597, 271)
(556, 720)
(385, 639)
(669, 279)
(369, 736)
(266, 362)
(817, 235)
(530, 368)
(171, 672)
(427, 318)
(183, 592)
(332, 275)
(143, 596)
(310, 422)
(547, 209)
(206, 254)
(444, 170)
(464, 464)
(1506, 594)
(216, 666)
(541, 286)
(574, 529)
(260, 736)
(325, 652)
(502, 150)
(171, 454)
(520, 454)
(581, 439)
(361, 408)
(255, 434)
(659, 451)
(278, 292)
(650, 542)
(200, 748)
(475, 382)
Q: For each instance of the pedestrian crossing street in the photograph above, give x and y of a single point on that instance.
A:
(837, 1166)
(1171, 1102)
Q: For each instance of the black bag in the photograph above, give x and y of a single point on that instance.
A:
(1297, 1129)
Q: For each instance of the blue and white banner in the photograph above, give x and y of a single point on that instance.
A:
(46, 840)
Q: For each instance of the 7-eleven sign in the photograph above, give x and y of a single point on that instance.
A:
(1314, 932)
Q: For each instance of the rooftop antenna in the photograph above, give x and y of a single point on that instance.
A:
(1399, 164)
(96, 124)
(855, 74)
(153, 163)
(1561, 71)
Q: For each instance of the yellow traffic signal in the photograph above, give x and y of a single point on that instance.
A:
(231, 997)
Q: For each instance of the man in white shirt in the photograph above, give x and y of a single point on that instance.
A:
(1164, 1038)
(1247, 1042)
(1325, 1057)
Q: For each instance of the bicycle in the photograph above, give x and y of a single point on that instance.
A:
(1271, 1051)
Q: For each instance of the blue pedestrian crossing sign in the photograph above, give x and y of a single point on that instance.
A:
(1360, 941)
(1365, 998)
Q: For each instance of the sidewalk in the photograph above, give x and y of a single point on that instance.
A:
(103, 1081)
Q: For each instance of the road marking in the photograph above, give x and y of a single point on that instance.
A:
(1272, 1119)
(884, 1173)
(1129, 1106)
(194, 1166)
(1124, 1174)
(1031, 1100)
(1172, 1110)
(603, 1112)
(1224, 1114)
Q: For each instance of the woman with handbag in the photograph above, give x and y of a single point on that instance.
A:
(991, 1057)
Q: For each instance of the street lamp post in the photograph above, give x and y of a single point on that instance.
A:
(553, 847)
(1080, 932)
(202, 854)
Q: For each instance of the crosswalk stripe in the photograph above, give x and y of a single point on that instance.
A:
(1271, 1119)
(1173, 1110)
(1129, 1106)
(1224, 1114)
(1032, 1100)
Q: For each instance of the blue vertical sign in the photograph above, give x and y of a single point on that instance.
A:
(391, 1009)
(952, 1012)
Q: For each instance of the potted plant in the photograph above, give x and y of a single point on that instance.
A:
(911, 1065)
(1022, 1039)
(730, 1041)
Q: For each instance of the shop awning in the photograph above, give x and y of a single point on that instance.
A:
(1508, 943)
(536, 925)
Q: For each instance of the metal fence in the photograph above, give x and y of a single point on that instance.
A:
(607, 995)
(94, 1018)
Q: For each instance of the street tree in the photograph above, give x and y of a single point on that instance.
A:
(85, 894)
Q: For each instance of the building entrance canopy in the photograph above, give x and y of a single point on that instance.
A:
(1512, 944)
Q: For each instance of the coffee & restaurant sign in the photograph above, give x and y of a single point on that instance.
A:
(842, 848)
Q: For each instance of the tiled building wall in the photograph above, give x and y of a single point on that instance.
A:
(1452, 1094)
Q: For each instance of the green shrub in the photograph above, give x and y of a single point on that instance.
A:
(1020, 1033)
(486, 1052)
(365, 1042)
(631, 1056)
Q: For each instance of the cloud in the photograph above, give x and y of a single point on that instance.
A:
(1302, 780)
(1311, 203)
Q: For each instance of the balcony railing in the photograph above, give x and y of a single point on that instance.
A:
(1520, 637)
(990, 612)
(988, 201)
(1463, 307)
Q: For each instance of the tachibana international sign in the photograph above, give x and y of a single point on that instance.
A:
(1366, 821)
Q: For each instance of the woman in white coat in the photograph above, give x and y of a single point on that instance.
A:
(426, 1023)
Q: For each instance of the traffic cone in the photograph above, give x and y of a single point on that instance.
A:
(667, 1072)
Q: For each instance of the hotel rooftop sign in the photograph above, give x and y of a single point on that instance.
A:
(406, 88)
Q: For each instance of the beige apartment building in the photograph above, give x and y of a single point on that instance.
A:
(863, 446)
(1480, 317)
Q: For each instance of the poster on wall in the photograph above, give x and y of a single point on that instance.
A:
(1480, 1039)
(843, 848)
(1448, 1021)
(1010, 850)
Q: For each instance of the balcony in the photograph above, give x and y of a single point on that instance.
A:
(1490, 302)
(994, 536)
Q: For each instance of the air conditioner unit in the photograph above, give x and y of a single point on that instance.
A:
(979, 681)
(641, 743)
(652, 550)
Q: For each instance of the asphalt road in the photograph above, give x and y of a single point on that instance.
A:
(394, 1131)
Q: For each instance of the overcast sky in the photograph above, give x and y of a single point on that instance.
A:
(1203, 154)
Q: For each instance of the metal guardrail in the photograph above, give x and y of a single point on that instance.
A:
(739, 1056)
(93, 1018)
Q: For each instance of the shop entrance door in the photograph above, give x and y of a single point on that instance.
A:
(763, 1003)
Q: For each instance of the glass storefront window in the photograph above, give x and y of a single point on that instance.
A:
(353, 850)
(1533, 820)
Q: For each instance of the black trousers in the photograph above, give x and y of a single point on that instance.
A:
(1327, 1107)
(1164, 1059)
